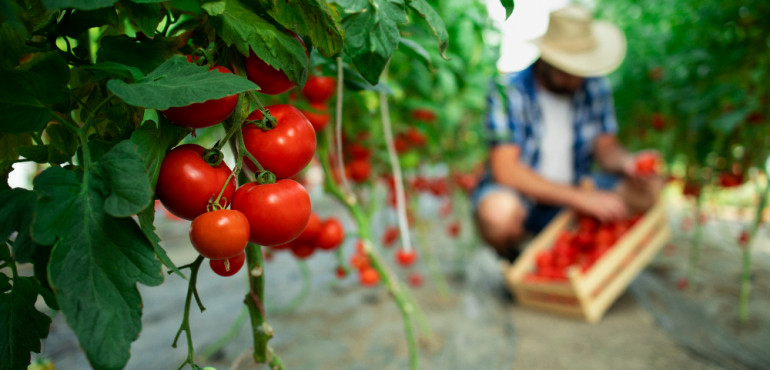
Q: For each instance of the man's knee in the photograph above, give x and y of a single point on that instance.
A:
(500, 219)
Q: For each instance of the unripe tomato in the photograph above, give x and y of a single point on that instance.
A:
(277, 212)
(220, 234)
(284, 150)
(186, 182)
(270, 80)
(318, 89)
(228, 266)
(331, 235)
(320, 118)
(205, 114)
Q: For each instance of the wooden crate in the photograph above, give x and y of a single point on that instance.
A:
(588, 295)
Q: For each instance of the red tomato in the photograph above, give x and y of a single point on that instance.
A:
(646, 164)
(318, 89)
(454, 229)
(415, 279)
(302, 250)
(205, 114)
(368, 276)
(186, 182)
(319, 117)
(658, 122)
(220, 234)
(389, 236)
(277, 212)
(359, 151)
(359, 261)
(360, 169)
(341, 272)
(405, 258)
(424, 114)
(415, 137)
(270, 80)
(284, 150)
(228, 266)
(311, 232)
(331, 234)
(743, 238)
(401, 145)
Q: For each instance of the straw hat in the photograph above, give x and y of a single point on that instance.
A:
(579, 45)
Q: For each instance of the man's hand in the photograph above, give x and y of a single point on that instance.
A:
(605, 206)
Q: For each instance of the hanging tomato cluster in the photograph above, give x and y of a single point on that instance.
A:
(195, 184)
(580, 247)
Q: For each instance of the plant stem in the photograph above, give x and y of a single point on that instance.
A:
(338, 131)
(185, 326)
(403, 222)
(743, 303)
(430, 260)
(405, 304)
(261, 330)
(696, 239)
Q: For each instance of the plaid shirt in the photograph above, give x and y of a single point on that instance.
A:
(518, 119)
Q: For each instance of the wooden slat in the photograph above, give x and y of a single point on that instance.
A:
(588, 282)
(626, 274)
(526, 261)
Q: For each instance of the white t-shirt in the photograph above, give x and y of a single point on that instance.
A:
(558, 137)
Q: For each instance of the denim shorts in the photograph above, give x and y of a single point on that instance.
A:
(538, 215)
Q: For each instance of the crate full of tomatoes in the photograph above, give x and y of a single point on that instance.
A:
(578, 267)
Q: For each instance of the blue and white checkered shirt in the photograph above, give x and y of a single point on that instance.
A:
(519, 119)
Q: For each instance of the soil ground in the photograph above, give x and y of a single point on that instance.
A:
(474, 324)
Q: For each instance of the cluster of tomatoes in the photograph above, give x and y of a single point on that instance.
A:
(320, 234)
(580, 247)
(195, 184)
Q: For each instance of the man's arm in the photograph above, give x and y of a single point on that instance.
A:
(611, 156)
(507, 169)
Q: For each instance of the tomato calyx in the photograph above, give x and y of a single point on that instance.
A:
(266, 177)
(267, 122)
(213, 157)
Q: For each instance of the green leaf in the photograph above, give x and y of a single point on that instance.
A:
(214, 7)
(35, 153)
(146, 220)
(153, 142)
(145, 16)
(372, 34)
(17, 206)
(313, 18)
(78, 4)
(123, 171)
(13, 46)
(80, 21)
(9, 148)
(416, 51)
(508, 5)
(178, 83)
(22, 326)
(26, 94)
(63, 145)
(95, 264)
(145, 55)
(5, 282)
(434, 21)
(246, 30)
(114, 69)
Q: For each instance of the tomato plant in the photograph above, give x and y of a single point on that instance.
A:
(205, 114)
(271, 81)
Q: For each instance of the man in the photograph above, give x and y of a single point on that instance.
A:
(549, 125)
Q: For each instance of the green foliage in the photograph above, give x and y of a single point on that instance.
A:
(83, 82)
(700, 69)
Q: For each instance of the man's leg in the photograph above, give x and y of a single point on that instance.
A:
(500, 216)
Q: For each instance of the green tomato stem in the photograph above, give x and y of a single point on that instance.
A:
(185, 326)
(743, 303)
(262, 332)
(695, 242)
